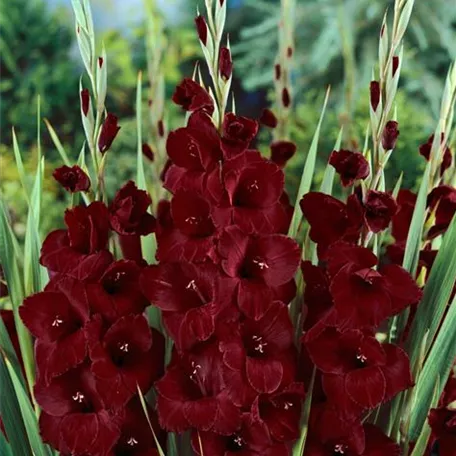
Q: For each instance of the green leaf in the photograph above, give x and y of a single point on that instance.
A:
(422, 442)
(300, 445)
(328, 177)
(307, 174)
(58, 145)
(415, 234)
(8, 259)
(144, 407)
(20, 166)
(438, 365)
(436, 294)
(29, 418)
(11, 414)
(5, 447)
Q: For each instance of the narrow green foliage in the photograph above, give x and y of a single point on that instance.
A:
(28, 416)
(300, 445)
(11, 414)
(5, 447)
(146, 413)
(307, 175)
(438, 364)
(58, 145)
(20, 167)
(422, 442)
(328, 177)
(436, 295)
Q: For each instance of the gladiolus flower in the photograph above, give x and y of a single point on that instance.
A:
(442, 199)
(374, 94)
(349, 165)
(85, 101)
(380, 207)
(73, 179)
(192, 97)
(447, 159)
(238, 132)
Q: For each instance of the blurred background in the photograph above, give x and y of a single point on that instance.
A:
(336, 43)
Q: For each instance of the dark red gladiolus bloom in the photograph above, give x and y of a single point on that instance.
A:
(128, 211)
(194, 151)
(286, 100)
(129, 218)
(252, 439)
(192, 97)
(259, 264)
(401, 220)
(282, 151)
(135, 438)
(331, 220)
(268, 118)
(201, 28)
(85, 101)
(380, 207)
(238, 132)
(74, 419)
(390, 135)
(349, 165)
(364, 297)
(116, 293)
(148, 152)
(443, 424)
(357, 368)
(124, 356)
(317, 297)
(191, 297)
(264, 351)
(73, 178)
(225, 63)
(249, 194)
(190, 232)
(108, 133)
(281, 412)
(191, 395)
(349, 439)
(374, 94)
(447, 159)
(442, 199)
(56, 318)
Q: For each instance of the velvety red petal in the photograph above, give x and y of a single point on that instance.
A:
(264, 375)
(366, 387)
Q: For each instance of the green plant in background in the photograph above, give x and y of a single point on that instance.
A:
(34, 41)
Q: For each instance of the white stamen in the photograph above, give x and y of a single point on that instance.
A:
(259, 347)
(261, 264)
(124, 347)
(287, 405)
(132, 441)
(239, 441)
(57, 321)
(78, 397)
(360, 357)
(339, 449)
(253, 186)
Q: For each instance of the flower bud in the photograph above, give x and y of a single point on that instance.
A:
(225, 63)
(161, 128)
(108, 133)
(85, 101)
(390, 135)
(282, 151)
(72, 179)
(268, 118)
(277, 71)
(374, 94)
(286, 97)
(148, 152)
(395, 64)
(201, 28)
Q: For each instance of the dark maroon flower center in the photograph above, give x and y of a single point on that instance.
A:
(64, 324)
(82, 402)
(340, 449)
(248, 192)
(254, 268)
(235, 129)
(256, 346)
(113, 283)
(122, 353)
(368, 277)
